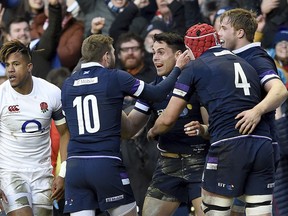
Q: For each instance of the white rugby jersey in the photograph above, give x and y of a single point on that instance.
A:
(25, 125)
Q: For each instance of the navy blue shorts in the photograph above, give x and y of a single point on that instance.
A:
(96, 183)
(240, 165)
(177, 179)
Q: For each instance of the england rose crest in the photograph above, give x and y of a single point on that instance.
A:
(44, 107)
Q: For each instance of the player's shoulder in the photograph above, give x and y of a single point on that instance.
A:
(42, 85)
(5, 84)
(4, 87)
(42, 82)
(252, 51)
(258, 53)
(216, 55)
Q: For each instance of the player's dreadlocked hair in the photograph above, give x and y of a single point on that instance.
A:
(13, 47)
(201, 37)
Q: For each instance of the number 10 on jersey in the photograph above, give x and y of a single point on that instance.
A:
(87, 114)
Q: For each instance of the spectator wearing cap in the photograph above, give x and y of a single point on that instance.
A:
(280, 53)
(280, 200)
(216, 21)
(155, 27)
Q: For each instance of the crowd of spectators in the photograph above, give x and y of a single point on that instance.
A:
(55, 29)
(142, 17)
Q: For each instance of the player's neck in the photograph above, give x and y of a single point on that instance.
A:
(26, 87)
(242, 43)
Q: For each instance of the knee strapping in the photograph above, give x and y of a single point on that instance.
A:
(239, 205)
(258, 204)
(122, 210)
(83, 212)
(216, 206)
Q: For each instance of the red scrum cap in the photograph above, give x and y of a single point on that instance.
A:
(201, 37)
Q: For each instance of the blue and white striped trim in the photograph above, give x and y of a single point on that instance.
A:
(268, 77)
(140, 88)
(94, 156)
(238, 137)
(142, 106)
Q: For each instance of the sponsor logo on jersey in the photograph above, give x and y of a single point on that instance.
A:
(86, 81)
(227, 186)
(124, 178)
(43, 107)
(69, 202)
(271, 185)
(211, 166)
(14, 108)
(116, 198)
(179, 92)
(212, 163)
(184, 112)
(126, 181)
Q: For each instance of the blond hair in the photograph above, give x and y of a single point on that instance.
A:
(95, 46)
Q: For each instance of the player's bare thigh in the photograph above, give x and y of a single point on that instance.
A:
(154, 207)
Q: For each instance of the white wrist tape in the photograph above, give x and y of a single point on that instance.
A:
(62, 172)
(206, 132)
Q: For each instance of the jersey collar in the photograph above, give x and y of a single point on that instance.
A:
(91, 64)
(246, 47)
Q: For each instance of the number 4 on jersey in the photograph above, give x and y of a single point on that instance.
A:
(240, 79)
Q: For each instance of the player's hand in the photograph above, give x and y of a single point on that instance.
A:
(151, 136)
(248, 121)
(3, 198)
(183, 59)
(193, 128)
(57, 188)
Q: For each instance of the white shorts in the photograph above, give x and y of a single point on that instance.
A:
(26, 188)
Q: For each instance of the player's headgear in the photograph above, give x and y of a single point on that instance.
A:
(201, 37)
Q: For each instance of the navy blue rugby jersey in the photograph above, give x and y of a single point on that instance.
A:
(175, 140)
(92, 101)
(256, 56)
(226, 85)
(265, 66)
